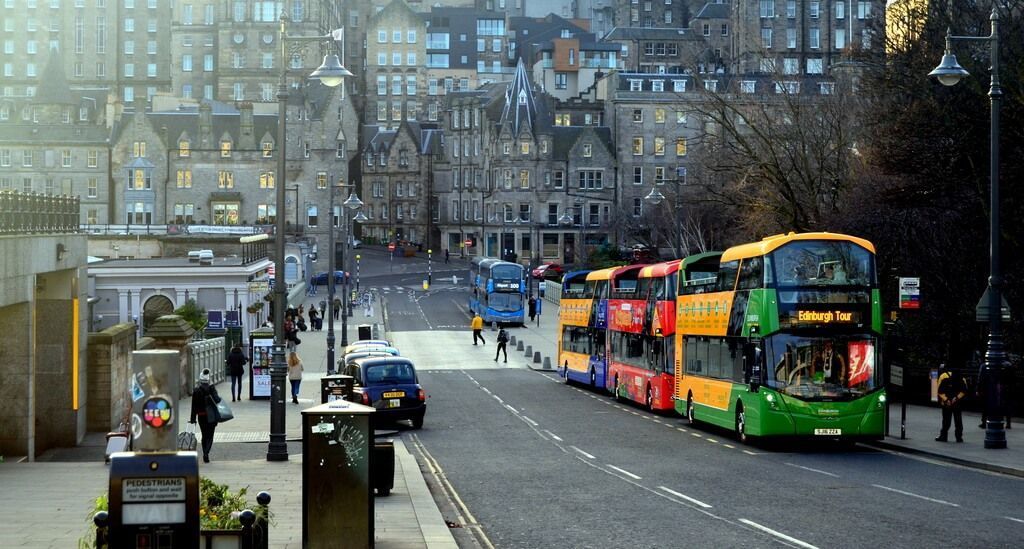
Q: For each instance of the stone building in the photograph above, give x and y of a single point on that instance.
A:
(395, 66)
(566, 66)
(55, 142)
(652, 13)
(658, 50)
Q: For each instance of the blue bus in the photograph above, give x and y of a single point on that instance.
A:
(498, 290)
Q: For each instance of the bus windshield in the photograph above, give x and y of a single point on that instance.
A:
(821, 263)
(506, 272)
(823, 368)
(505, 303)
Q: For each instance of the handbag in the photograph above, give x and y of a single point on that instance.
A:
(187, 438)
(218, 411)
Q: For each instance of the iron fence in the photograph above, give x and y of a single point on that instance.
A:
(28, 213)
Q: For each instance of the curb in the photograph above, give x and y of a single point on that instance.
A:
(947, 458)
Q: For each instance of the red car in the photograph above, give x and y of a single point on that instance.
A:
(549, 271)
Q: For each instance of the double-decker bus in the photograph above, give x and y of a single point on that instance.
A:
(646, 373)
(582, 323)
(783, 339)
(498, 290)
(627, 341)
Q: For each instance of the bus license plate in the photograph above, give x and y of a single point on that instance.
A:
(394, 403)
(394, 394)
(828, 432)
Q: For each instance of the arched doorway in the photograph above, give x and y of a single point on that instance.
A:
(155, 307)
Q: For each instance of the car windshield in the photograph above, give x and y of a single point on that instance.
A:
(823, 368)
(390, 373)
(505, 302)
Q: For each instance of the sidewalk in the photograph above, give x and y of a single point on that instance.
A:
(55, 497)
(922, 424)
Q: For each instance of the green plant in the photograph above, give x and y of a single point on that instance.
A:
(219, 508)
(193, 314)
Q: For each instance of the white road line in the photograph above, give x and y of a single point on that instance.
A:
(777, 534)
(713, 441)
(582, 453)
(486, 390)
(498, 398)
(729, 446)
(530, 421)
(657, 421)
(624, 472)
(511, 409)
(554, 436)
(698, 435)
(686, 497)
(812, 470)
(749, 452)
(1015, 519)
(681, 430)
(913, 495)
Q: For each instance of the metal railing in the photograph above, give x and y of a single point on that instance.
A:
(174, 229)
(208, 353)
(24, 213)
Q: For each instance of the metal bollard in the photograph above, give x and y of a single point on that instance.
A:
(536, 357)
(494, 326)
(547, 363)
(519, 345)
(247, 518)
(529, 350)
(512, 340)
(262, 528)
(101, 520)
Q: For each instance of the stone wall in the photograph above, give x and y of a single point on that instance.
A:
(14, 379)
(56, 420)
(109, 366)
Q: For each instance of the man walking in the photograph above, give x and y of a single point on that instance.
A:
(952, 390)
(532, 307)
(502, 345)
(477, 325)
(446, 255)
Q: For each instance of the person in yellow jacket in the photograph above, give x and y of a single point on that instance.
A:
(952, 391)
(477, 325)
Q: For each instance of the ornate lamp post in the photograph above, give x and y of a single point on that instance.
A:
(351, 203)
(330, 73)
(331, 278)
(949, 73)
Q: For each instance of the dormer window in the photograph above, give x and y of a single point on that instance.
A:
(225, 149)
(138, 149)
(524, 147)
(184, 148)
(268, 149)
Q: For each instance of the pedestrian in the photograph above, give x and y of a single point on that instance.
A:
(291, 331)
(446, 254)
(532, 307)
(236, 369)
(323, 308)
(336, 305)
(478, 327)
(502, 345)
(204, 408)
(314, 320)
(295, 374)
(951, 393)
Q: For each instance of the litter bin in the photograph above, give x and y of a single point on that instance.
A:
(365, 332)
(382, 466)
(336, 387)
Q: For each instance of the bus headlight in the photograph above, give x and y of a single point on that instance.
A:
(881, 401)
(771, 400)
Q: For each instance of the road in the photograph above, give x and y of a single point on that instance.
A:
(530, 462)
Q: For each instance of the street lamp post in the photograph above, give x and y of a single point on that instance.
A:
(655, 197)
(330, 73)
(358, 257)
(948, 73)
(331, 268)
(430, 277)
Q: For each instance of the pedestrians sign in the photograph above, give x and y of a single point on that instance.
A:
(896, 375)
(910, 293)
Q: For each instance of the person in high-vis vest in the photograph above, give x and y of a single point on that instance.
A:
(952, 391)
(477, 325)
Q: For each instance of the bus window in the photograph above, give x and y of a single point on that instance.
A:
(692, 366)
(750, 274)
(727, 276)
(669, 355)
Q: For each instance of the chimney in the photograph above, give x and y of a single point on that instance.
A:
(206, 125)
(247, 140)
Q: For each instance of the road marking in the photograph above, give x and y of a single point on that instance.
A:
(554, 436)
(530, 421)
(713, 441)
(686, 497)
(698, 435)
(681, 430)
(582, 453)
(1015, 519)
(498, 398)
(749, 452)
(778, 534)
(657, 421)
(486, 390)
(913, 495)
(812, 470)
(624, 472)
(511, 409)
(729, 446)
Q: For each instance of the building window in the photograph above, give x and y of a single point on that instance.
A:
(659, 146)
(225, 180)
(267, 180)
(561, 80)
(91, 159)
(92, 188)
(591, 180)
(138, 149)
(524, 179)
(225, 149)
(638, 115)
(638, 207)
(766, 38)
(638, 175)
(184, 148)
(638, 146)
(767, 9)
(588, 150)
(559, 177)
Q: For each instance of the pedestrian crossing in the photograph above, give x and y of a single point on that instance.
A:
(448, 350)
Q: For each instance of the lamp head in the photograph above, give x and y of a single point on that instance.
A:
(359, 218)
(331, 72)
(655, 197)
(565, 219)
(353, 202)
(949, 72)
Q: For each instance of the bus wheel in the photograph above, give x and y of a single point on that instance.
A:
(650, 400)
(741, 423)
(689, 409)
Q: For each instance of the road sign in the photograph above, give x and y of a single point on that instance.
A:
(896, 375)
(391, 247)
(910, 293)
(468, 242)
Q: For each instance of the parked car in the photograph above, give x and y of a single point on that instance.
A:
(368, 344)
(348, 361)
(391, 386)
(549, 271)
(320, 279)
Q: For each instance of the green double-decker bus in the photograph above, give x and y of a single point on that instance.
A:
(782, 338)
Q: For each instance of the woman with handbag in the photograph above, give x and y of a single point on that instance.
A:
(236, 369)
(204, 408)
(295, 374)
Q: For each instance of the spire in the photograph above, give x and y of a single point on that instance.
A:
(53, 88)
(520, 104)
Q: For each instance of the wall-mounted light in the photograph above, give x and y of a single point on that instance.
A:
(61, 251)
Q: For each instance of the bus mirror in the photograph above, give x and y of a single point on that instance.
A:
(752, 358)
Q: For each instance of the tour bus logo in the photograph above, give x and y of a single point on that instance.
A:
(827, 317)
(156, 412)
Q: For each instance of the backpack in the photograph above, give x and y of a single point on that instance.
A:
(502, 336)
